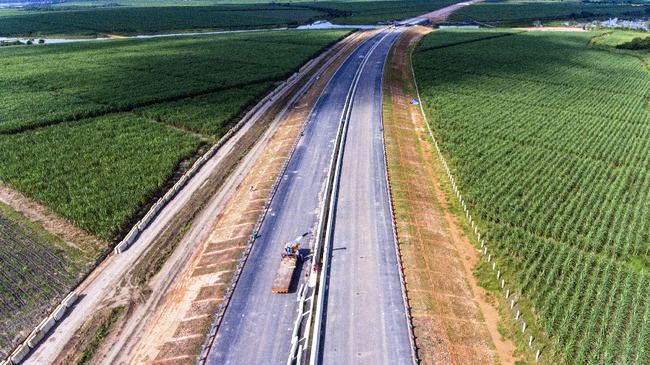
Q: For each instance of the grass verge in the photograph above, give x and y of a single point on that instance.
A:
(106, 322)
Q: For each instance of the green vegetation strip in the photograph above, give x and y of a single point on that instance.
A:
(617, 38)
(636, 44)
(96, 172)
(371, 12)
(103, 330)
(208, 114)
(50, 84)
(525, 12)
(91, 19)
(149, 20)
(99, 172)
(548, 139)
(453, 39)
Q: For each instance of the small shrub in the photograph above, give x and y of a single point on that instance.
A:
(636, 44)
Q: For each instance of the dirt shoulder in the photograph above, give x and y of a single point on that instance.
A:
(454, 322)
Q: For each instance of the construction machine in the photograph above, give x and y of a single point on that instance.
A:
(289, 260)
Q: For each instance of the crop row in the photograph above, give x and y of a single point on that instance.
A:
(148, 20)
(95, 172)
(536, 134)
(34, 273)
(606, 171)
(583, 299)
(520, 11)
(163, 18)
(371, 12)
(98, 172)
(209, 114)
(45, 85)
(549, 140)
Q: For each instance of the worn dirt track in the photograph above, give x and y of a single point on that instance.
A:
(453, 321)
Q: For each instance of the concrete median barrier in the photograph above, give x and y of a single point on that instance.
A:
(46, 325)
(35, 338)
(59, 312)
(19, 354)
(70, 299)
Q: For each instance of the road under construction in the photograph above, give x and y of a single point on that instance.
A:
(344, 302)
(351, 309)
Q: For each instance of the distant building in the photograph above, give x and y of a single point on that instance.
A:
(640, 24)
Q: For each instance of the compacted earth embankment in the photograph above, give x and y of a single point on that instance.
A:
(452, 318)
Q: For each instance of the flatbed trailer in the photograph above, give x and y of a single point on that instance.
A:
(283, 276)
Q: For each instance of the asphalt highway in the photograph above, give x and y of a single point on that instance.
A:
(365, 321)
(257, 325)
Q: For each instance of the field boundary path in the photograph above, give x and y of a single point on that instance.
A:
(50, 221)
(106, 277)
(453, 321)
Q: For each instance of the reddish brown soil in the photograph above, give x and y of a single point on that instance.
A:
(453, 322)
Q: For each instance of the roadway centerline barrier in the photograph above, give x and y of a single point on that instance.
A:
(316, 251)
(211, 335)
(330, 204)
